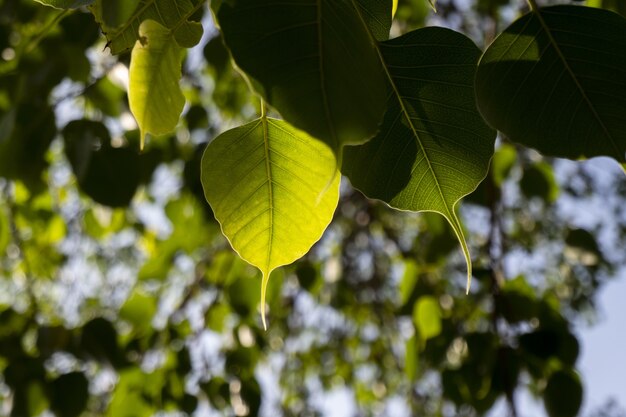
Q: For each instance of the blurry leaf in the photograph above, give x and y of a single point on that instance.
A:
(30, 129)
(517, 301)
(563, 394)
(216, 316)
(172, 15)
(411, 359)
(99, 340)
(197, 117)
(243, 295)
(139, 309)
(108, 175)
(582, 247)
(313, 61)
(70, 393)
(538, 181)
(273, 189)
(251, 395)
(217, 391)
(427, 317)
(241, 362)
(433, 147)
(106, 96)
(128, 398)
(154, 93)
(37, 399)
(65, 4)
(307, 275)
(409, 280)
(5, 230)
(564, 68)
(503, 160)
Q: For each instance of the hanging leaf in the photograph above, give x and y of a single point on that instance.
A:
(65, 4)
(433, 147)
(154, 93)
(273, 189)
(121, 21)
(555, 80)
(313, 60)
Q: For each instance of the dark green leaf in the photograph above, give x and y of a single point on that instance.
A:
(108, 175)
(563, 395)
(65, 4)
(313, 61)
(555, 80)
(433, 147)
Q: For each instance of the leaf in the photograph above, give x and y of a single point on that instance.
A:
(312, 60)
(433, 147)
(427, 317)
(108, 175)
(154, 93)
(273, 189)
(555, 80)
(121, 20)
(65, 4)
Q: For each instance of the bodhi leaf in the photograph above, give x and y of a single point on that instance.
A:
(312, 60)
(65, 4)
(433, 147)
(154, 93)
(273, 189)
(121, 26)
(555, 80)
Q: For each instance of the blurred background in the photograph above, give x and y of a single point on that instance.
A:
(119, 296)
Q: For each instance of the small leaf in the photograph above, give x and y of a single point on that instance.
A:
(65, 4)
(155, 97)
(433, 147)
(427, 317)
(313, 61)
(273, 189)
(555, 80)
(120, 20)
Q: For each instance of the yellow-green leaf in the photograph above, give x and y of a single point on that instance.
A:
(274, 190)
(156, 99)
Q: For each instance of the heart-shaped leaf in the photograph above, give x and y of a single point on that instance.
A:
(120, 21)
(555, 80)
(273, 189)
(154, 93)
(433, 147)
(313, 60)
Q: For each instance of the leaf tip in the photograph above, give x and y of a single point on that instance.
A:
(266, 278)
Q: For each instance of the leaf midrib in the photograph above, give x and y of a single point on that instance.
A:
(403, 109)
(569, 70)
(268, 170)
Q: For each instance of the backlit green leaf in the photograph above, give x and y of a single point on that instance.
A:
(121, 21)
(65, 4)
(154, 93)
(433, 147)
(555, 80)
(273, 189)
(313, 60)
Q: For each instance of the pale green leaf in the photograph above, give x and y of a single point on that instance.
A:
(427, 317)
(555, 80)
(120, 21)
(433, 147)
(65, 4)
(273, 189)
(312, 60)
(154, 93)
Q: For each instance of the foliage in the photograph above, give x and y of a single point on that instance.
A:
(120, 294)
